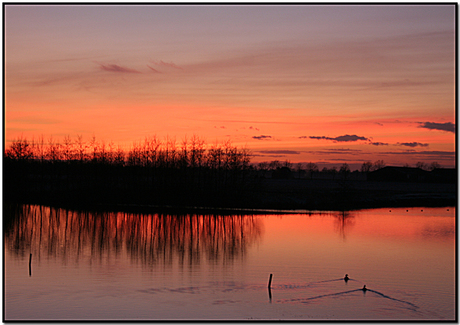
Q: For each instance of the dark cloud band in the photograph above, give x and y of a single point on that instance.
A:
(116, 68)
(412, 144)
(342, 138)
(448, 127)
(280, 152)
(262, 137)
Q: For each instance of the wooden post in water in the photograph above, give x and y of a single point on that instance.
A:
(30, 264)
(270, 288)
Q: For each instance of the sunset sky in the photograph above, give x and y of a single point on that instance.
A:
(329, 84)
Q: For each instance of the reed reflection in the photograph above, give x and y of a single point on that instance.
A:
(150, 239)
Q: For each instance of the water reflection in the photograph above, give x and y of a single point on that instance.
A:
(438, 231)
(150, 239)
(343, 222)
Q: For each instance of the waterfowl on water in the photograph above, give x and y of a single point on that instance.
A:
(364, 288)
(346, 278)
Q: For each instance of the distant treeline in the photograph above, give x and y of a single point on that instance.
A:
(150, 172)
(166, 173)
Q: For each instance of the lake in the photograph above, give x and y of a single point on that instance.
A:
(80, 265)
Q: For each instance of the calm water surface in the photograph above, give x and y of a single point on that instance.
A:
(126, 266)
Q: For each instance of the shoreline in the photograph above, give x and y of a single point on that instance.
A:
(273, 197)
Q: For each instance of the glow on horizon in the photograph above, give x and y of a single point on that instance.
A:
(289, 82)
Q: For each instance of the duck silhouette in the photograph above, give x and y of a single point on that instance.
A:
(346, 278)
(364, 288)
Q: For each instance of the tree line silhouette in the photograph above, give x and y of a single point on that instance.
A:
(164, 172)
(150, 172)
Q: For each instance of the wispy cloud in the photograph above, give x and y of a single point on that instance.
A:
(280, 152)
(342, 138)
(153, 69)
(378, 144)
(253, 128)
(412, 144)
(166, 64)
(449, 127)
(436, 155)
(262, 137)
(335, 151)
(116, 68)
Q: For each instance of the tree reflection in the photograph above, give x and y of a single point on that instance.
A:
(343, 221)
(150, 239)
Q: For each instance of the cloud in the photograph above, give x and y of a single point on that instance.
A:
(347, 138)
(378, 144)
(253, 128)
(271, 156)
(412, 144)
(166, 64)
(280, 152)
(116, 68)
(438, 154)
(435, 155)
(262, 137)
(337, 151)
(448, 127)
(342, 138)
(153, 69)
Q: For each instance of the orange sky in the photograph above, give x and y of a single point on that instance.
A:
(321, 83)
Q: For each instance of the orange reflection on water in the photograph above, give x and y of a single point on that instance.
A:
(149, 238)
(147, 262)
(378, 247)
(400, 223)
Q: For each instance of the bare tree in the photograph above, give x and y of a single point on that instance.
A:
(262, 167)
(344, 169)
(20, 149)
(287, 164)
(421, 165)
(54, 150)
(366, 167)
(119, 156)
(40, 149)
(67, 148)
(379, 164)
(275, 164)
(312, 168)
(80, 148)
(434, 165)
(94, 146)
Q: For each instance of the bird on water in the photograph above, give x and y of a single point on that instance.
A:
(364, 288)
(346, 278)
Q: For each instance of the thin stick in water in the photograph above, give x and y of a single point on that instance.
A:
(30, 264)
